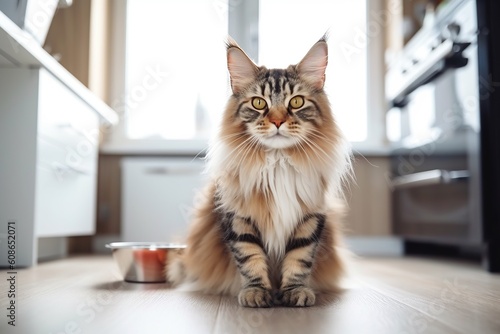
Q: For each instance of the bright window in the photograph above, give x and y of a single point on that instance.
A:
(288, 29)
(176, 74)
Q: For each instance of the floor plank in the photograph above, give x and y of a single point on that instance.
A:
(357, 310)
(458, 294)
(411, 295)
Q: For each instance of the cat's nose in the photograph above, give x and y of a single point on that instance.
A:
(277, 122)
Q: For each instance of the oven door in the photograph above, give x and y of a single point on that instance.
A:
(435, 163)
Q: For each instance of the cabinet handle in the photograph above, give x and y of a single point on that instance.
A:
(63, 168)
(71, 127)
(172, 170)
(431, 177)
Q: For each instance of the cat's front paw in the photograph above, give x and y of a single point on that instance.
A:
(297, 297)
(255, 297)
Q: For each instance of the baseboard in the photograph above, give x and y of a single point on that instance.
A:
(375, 246)
(52, 248)
(99, 243)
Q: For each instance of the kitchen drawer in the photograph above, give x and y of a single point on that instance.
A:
(62, 114)
(67, 155)
(64, 201)
(68, 148)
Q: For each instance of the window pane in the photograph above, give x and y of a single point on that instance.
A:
(288, 29)
(176, 76)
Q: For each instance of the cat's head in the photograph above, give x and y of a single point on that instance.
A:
(279, 108)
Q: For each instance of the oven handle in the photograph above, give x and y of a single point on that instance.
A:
(447, 55)
(431, 177)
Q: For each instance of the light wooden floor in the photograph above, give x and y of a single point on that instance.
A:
(86, 295)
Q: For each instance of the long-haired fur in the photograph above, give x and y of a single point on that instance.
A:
(268, 220)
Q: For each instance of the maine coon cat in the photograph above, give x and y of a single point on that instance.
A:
(265, 230)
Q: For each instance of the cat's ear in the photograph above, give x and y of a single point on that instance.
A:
(242, 69)
(312, 67)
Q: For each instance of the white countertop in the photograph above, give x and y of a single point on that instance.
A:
(156, 147)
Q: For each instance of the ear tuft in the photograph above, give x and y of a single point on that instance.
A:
(312, 67)
(242, 70)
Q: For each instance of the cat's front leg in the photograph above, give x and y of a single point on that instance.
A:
(245, 242)
(298, 262)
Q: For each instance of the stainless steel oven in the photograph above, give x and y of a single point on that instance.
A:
(434, 128)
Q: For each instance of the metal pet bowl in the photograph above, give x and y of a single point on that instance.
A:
(143, 262)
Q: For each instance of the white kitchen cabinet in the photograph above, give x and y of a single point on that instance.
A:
(66, 162)
(158, 195)
(49, 127)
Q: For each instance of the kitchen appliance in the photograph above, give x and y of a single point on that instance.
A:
(435, 90)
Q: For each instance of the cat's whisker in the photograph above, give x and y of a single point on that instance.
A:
(303, 140)
(325, 154)
(314, 148)
(232, 135)
(236, 159)
(321, 136)
(305, 153)
(251, 149)
(224, 140)
(230, 143)
(240, 151)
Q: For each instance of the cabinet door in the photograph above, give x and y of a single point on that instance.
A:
(66, 162)
(158, 196)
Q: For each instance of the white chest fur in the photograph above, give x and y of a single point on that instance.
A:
(288, 186)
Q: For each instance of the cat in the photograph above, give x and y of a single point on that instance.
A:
(266, 229)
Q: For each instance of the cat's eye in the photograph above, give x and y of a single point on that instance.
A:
(259, 103)
(297, 102)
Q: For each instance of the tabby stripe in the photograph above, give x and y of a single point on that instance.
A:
(247, 237)
(317, 107)
(306, 113)
(255, 285)
(229, 235)
(299, 243)
(291, 287)
(235, 251)
(303, 242)
(277, 74)
(249, 115)
(246, 274)
(300, 277)
(242, 259)
(307, 264)
(227, 219)
(271, 85)
(256, 280)
(239, 107)
(250, 238)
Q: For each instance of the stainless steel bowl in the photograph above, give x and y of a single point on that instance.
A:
(143, 262)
